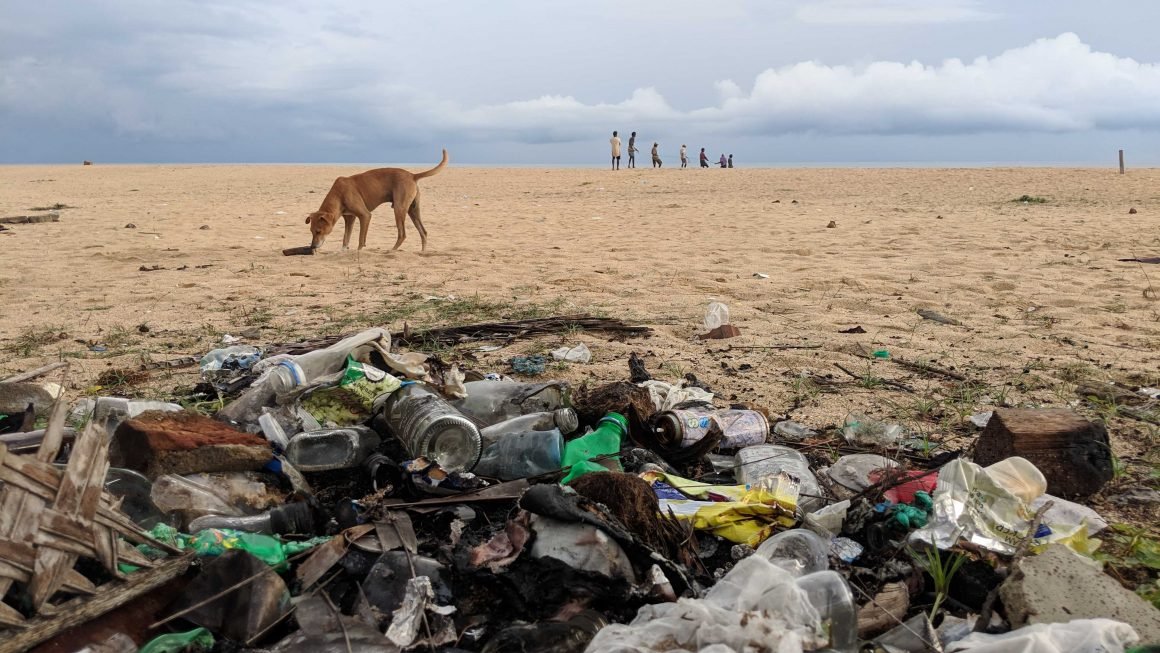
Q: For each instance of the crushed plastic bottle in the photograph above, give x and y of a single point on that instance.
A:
(221, 367)
(328, 449)
(492, 402)
(829, 594)
(716, 316)
(793, 431)
(429, 427)
(766, 461)
(296, 518)
(860, 429)
(797, 551)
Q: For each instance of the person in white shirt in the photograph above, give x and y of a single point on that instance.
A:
(615, 141)
(684, 158)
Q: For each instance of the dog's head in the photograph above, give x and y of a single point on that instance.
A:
(321, 224)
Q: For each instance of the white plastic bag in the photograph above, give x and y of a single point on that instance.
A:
(577, 354)
(1079, 636)
(716, 316)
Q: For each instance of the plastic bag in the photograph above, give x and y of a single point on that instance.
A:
(972, 505)
(349, 402)
(1079, 636)
(716, 316)
(666, 396)
(577, 354)
(739, 514)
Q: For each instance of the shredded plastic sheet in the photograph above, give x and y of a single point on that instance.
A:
(739, 514)
(757, 606)
(1079, 636)
(972, 505)
(666, 396)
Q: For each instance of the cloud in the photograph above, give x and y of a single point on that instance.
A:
(890, 12)
(1052, 85)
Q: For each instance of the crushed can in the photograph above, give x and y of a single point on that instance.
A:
(686, 426)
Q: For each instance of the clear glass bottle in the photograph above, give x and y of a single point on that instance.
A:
(492, 402)
(521, 454)
(326, 449)
(429, 427)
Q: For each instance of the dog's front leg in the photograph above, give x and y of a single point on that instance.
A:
(349, 218)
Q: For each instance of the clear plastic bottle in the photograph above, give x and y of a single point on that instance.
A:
(564, 419)
(177, 494)
(797, 551)
(492, 402)
(829, 594)
(431, 428)
(767, 460)
(114, 410)
(326, 449)
(280, 374)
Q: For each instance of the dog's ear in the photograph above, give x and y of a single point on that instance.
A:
(308, 218)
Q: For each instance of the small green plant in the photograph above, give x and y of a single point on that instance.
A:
(1030, 199)
(804, 390)
(941, 570)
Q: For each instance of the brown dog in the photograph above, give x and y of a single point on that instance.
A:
(357, 195)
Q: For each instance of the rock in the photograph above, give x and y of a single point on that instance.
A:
(130, 226)
(1073, 453)
(1058, 586)
(833, 224)
(1132, 211)
(204, 227)
(1137, 496)
(15, 398)
(722, 332)
(157, 443)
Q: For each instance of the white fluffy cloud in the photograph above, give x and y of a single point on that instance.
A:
(1052, 85)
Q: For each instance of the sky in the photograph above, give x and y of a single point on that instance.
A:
(776, 82)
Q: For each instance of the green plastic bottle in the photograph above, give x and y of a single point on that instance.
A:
(196, 640)
(605, 440)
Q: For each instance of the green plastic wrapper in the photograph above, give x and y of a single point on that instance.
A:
(604, 441)
(213, 542)
(198, 640)
(350, 401)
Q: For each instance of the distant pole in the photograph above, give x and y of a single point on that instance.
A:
(1121, 162)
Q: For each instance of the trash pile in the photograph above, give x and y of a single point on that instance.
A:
(352, 496)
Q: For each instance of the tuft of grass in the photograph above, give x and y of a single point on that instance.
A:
(941, 570)
(1030, 199)
(33, 338)
(805, 391)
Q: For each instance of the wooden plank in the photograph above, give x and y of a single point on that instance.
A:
(80, 610)
(31, 219)
(32, 374)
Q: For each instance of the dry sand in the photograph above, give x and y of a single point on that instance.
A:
(1042, 299)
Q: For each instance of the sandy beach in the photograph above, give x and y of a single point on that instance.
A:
(1041, 299)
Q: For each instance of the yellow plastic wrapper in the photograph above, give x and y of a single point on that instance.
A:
(739, 514)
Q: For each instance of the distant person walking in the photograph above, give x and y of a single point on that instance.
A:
(730, 160)
(704, 159)
(656, 155)
(722, 161)
(632, 150)
(615, 141)
(684, 157)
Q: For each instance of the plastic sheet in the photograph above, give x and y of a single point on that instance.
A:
(1079, 636)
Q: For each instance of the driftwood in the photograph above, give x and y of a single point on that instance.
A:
(504, 331)
(31, 219)
(51, 517)
(885, 382)
(32, 374)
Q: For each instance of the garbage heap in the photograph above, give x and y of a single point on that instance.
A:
(353, 497)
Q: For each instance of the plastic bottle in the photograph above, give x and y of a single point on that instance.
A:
(280, 374)
(431, 428)
(172, 493)
(222, 365)
(793, 431)
(564, 419)
(327, 449)
(605, 440)
(716, 316)
(521, 454)
(797, 551)
(492, 402)
(767, 460)
(829, 594)
(296, 518)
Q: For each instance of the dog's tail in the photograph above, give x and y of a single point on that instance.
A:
(435, 170)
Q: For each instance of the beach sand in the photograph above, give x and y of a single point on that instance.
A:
(1042, 300)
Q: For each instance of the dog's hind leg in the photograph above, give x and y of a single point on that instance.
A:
(414, 213)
